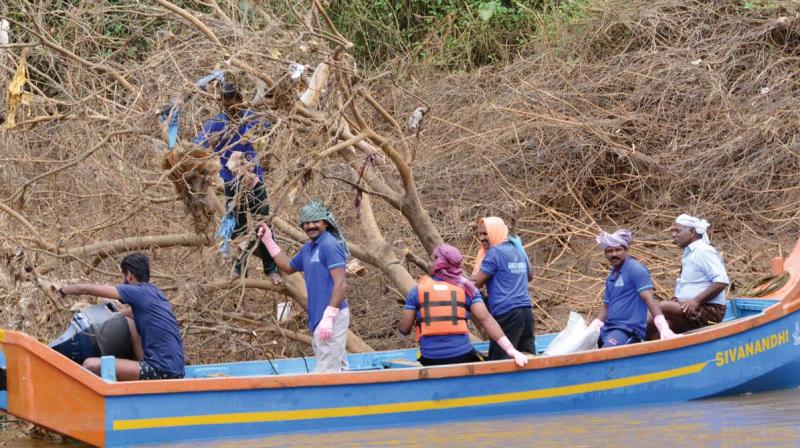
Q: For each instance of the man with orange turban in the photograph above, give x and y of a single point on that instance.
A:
(502, 265)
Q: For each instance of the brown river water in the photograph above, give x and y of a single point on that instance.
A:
(761, 420)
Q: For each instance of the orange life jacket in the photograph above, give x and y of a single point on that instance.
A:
(442, 308)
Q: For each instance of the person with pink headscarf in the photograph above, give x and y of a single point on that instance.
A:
(502, 265)
(440, 305)
(627, 297)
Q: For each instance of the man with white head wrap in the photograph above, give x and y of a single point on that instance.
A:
(628, 295)
(700, 290)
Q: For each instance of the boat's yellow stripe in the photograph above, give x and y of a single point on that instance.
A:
(413, 406)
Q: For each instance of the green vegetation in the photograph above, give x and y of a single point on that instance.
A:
(452, 34)
(760, 4)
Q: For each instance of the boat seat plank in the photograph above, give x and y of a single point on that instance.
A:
(400, 363)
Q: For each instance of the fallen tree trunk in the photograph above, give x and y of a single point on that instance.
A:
(294, 287)
(127, 244)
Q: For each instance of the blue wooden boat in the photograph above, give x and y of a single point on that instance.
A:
(756, 348)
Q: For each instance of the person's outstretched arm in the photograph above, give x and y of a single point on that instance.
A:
(478, 309)
(281, 260)
(107, 291)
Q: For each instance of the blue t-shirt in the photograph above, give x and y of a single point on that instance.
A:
(507, 287)
(315, 260)
(234, 142)
(626, 309)
(156, 324)
(444, 346)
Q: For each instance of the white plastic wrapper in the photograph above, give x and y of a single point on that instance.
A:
(576, 337)
(296, 70)
(5, 31)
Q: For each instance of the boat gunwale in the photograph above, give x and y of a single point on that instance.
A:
(770, 314)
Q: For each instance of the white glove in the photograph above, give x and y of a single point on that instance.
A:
(506, 345)
(325, 327)
(596, 325)
(663, 327)
(265, 233)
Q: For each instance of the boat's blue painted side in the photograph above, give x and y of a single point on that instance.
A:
(759, 349)
(714, 367)
(3, 392)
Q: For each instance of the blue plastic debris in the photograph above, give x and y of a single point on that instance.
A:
(225, 232)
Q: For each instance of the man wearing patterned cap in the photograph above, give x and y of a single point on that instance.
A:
(700, 289)
(322, 259)
(628, 296)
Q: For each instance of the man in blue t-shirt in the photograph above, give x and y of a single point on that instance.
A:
(155, 334)
(503, 266)
(449, 342)
(323, 260)
(628, 296)
(229, 134)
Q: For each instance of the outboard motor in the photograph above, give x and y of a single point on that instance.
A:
(96, 330)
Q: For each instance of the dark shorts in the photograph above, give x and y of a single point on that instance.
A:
(471, 356)
(518, 326)
(709, 314)
(616, 337)
(149, 372)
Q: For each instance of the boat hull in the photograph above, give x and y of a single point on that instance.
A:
(689, 373)
(48, 389)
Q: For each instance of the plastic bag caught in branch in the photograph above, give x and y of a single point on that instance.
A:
(296, 71)
(5, 31)
(415, 120)
(15, 95)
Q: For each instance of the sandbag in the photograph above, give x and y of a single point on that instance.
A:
(576, 337)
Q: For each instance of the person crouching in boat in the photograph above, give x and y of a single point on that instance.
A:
(323, 260)
(700, 289)
(502, 264)
(628, 296)
(156, 337)
(440, 304)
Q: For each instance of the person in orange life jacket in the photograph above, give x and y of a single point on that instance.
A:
(439, 304)
(628, 296)
(502, 265)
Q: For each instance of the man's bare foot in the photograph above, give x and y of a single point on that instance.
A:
(276, 278)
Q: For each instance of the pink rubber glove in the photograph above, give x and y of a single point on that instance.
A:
(506, 345)
(596, 325)
(266, 237)
(325, 327)
(663, 327)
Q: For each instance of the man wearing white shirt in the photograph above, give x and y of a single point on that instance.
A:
(700, 289)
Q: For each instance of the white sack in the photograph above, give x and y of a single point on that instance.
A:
(576, 337)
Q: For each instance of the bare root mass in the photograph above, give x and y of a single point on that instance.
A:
(642, 111)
